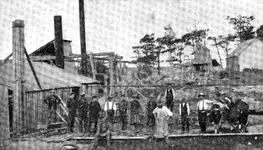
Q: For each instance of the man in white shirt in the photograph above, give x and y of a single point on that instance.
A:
(203, 105)
(162, 115)
(110, 108)
(184, 112)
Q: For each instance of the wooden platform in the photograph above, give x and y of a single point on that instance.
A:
(173, 136)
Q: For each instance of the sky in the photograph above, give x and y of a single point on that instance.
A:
(117, 25)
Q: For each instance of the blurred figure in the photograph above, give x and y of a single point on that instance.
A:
(184, 112)
(162, 115)
(123, 109)
(72, 107)
(94, 111)
(169, 97)
(103, 129)
(135, 113)
(150, 106)
(203, 106)
(83, 108)
(52, 101)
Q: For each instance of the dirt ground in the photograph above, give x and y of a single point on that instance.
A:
(181, 143)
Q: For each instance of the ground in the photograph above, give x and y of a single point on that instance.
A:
(182, 143)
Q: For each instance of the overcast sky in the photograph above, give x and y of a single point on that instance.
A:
(117, 25)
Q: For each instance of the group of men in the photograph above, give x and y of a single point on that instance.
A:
(89, 113)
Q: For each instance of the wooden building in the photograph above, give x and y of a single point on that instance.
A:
(249, 54)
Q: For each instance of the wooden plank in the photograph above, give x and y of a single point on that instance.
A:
(32, 69)
(114, 138)
(42, 58)
(216, 135)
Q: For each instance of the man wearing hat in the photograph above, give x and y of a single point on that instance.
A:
(83, 108)
(110, 108)
(162, 115)
(184, 112)
(203, 106)
(150, 106)
(136, 110)
(123, 112)
(94, 110)
(72, 107)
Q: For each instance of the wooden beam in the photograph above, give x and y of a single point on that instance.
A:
(32, 69)
(92, 66)
(42, 58)
(103, 53)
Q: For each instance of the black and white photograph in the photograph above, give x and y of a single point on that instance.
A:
(131, 75)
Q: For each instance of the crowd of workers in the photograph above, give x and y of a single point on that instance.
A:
(92, 115)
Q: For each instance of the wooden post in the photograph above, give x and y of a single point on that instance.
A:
(18, 70)
(106, 83)
(59, 41)
(117, 71)
(93, 69)
(111, 71)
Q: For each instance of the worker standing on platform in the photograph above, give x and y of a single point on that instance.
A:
(72, 107)
(150, 106)
(184, 112)
(123, 109)
(103, 129)
(162, 115)
(52, 101)
(110, 109)
(94, 110)
(136, 110)
(83, 108)
(203, 106)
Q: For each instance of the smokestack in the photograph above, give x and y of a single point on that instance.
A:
(59, 42)
(18, 69)
(83, 63)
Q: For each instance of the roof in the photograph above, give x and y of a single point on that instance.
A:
(215, 63)
(49, 76)
(245, 45)
(48, 49)
(201, 55)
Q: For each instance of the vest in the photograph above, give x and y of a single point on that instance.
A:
(183, 109)
(169, 93)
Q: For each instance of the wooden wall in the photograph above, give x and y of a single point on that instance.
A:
(36, 111)
(4, 116)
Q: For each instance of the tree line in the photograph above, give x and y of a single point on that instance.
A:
(148, 52)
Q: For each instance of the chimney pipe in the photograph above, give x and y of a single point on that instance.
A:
(59, 52)
(83, 63)
(19, 72)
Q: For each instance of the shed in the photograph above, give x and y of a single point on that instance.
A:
(249, 54)
(33, 110)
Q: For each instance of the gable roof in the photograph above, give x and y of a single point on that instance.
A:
(244, 46)
(49, 76)
(49, 49)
